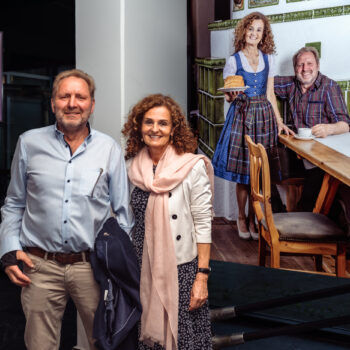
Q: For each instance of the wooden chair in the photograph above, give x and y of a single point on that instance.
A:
(294, 233)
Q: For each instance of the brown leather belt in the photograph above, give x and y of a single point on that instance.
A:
(62, 258)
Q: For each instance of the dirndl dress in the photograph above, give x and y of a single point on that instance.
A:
(250, 114)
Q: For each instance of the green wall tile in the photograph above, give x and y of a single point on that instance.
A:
(279, 18)
(210, 61)
(347, 10)
(211, 81)
(201, 77)
(210, 108)
(214, 135)
(297, 16)
(261, 3)
(200, 103)
(215, 110)
(219, 116)
(343, 84)
(316, 45)
(215, 81)
(208, 152)
(204, 105)
(219, 81)
(205, 79)
(203, 130)
(348, 101)
(328, 12)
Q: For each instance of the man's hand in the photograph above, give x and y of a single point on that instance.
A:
(14, 272)
(199, 292)
(322, 130)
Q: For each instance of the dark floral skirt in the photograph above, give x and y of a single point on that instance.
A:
(194, 330)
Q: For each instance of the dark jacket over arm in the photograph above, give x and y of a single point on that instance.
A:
(116, 270)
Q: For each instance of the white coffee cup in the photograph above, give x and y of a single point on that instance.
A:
(304, 132)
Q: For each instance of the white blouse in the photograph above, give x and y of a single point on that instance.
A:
(231, 67)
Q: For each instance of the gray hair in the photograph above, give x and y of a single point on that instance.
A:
(74, 73)
(302, 51)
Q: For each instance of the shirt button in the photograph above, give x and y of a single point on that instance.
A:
(255, 92)
(174, 216)
(170, 194)
(66, 242)
(70, 161)
(68, 180)
(66, 200)
(256, 81)
(254, 87)
(65, 221)
(178, 237)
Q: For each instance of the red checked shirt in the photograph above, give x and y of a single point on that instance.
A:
(323, 103)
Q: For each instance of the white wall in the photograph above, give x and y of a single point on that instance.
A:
(132, 48)
(330, 31)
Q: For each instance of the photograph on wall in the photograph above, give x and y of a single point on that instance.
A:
(261, 3)
(238, 5)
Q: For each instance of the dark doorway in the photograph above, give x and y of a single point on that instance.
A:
(38, 42)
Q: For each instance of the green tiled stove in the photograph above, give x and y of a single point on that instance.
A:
(211, 116)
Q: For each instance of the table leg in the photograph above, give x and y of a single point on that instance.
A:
(327, 193)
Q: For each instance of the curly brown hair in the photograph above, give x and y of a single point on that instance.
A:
(183, 139)
(266, 45)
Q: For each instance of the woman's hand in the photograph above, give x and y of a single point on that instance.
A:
(199, 292)
(283, 127)
(231, 96)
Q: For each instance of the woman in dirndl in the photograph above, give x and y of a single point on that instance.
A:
(252, 113)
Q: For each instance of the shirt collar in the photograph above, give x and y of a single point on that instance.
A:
(60, 134)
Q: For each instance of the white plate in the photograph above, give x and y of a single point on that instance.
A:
(243, 88)
(304, 138)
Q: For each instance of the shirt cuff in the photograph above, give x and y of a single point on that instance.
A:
(9, 259)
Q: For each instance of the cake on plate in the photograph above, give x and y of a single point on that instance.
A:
(233, 81)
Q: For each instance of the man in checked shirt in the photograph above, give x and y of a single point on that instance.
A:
(315, 102)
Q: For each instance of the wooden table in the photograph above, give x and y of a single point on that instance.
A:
(337, 169)
(336, 166)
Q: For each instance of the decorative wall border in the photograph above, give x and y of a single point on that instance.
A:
(288, 17)
(261, 3)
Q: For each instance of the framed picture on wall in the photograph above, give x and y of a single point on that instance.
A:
(261, 3)
(238, 5)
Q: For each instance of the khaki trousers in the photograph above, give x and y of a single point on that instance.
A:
(45, 299)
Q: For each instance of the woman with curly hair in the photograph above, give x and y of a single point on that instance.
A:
(252, 113)
(171, 197)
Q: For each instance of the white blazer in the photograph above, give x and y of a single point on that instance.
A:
(190, 212)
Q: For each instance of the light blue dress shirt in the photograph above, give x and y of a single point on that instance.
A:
(58, 201)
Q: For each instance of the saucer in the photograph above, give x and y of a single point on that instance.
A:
(241, 88)
(304, 138)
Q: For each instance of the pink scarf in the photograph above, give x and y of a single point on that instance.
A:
(159, 280)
